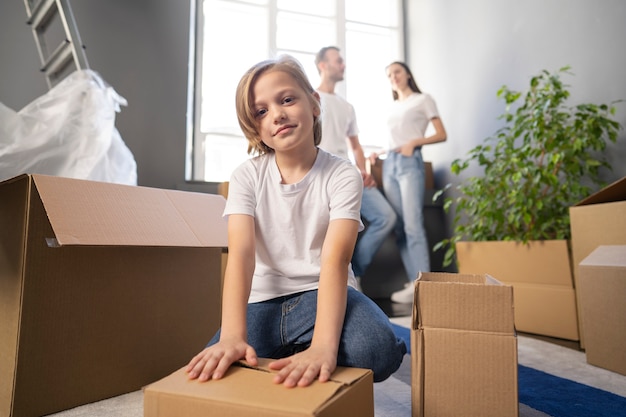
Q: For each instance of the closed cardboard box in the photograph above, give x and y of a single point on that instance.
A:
(541, 275)
(104, 288)
(602, 286)
(464, 347)
(247, 391)
(600, 219)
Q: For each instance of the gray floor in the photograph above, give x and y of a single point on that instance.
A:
(392, 397)
(560, 358)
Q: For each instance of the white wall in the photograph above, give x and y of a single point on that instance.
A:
(460, 51)
(463, 51)
(140, 47)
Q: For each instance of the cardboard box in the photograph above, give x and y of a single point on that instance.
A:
(250, 391)
(222, 189)
(540, 272)
(464, 347)
(600, 219)
(103, 288)
(429, 179)
(602, 286)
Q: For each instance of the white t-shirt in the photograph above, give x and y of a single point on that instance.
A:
(291, 220)
(408, 119)
(338, 123)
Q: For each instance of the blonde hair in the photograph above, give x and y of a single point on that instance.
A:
(244, 100)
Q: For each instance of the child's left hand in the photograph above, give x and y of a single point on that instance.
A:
(303, 368)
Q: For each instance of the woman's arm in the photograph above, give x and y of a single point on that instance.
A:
(320, 359)
(214, 361)
(440, 135)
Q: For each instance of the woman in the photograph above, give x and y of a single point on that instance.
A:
(403, 170)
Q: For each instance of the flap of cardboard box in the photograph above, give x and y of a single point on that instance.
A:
(342, 375)
(251, 387)
(607, 256)
(516, 262)
(96, 213)
(463, 302)
(611, 193)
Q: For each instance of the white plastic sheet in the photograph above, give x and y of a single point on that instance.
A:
(68, 132)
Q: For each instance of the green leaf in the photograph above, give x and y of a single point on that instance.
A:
(547, 156)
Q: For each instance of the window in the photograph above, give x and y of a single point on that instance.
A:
(229, 36)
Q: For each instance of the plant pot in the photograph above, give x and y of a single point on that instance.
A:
(541, 275)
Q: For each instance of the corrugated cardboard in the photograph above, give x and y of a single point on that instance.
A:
(540, 272)
(600, 219)
(103, 288)
(602, 286)
(464, 346)
(250, 391)
(429, 179)
(222, 189)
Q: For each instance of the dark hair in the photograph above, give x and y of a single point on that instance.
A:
(245, 106)
(412, 83)
(321, 55)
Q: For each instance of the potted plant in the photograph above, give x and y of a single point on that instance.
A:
(546, 158)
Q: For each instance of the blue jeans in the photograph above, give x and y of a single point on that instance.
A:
(404, 185)
(284, 326)
(381, 219)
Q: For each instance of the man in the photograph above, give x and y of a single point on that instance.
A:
(339, 130)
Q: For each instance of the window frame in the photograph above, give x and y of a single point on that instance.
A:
(196, 139)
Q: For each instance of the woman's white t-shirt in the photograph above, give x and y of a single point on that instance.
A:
(409, 118)
(291, 220)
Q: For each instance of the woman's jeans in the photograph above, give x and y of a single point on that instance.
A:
(404, 185)
(284, 326)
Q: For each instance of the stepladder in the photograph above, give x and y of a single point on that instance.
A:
(54, 28)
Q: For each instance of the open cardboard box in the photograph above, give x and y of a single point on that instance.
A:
(250, 391)
(602, 285)
(599, 219)
(464, 347)
(429, 179)
(104, 288)
(541, 275)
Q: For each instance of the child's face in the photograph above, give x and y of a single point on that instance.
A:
(283, 111)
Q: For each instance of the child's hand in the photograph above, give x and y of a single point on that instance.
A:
(214, 361)
(303, 368)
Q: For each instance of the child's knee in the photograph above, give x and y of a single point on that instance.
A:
(383, 357)
(388, 362)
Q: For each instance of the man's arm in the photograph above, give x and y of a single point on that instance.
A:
(359, 161)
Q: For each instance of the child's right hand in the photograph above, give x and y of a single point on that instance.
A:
(214, 361)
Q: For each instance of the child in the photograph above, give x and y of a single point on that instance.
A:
(293, 219)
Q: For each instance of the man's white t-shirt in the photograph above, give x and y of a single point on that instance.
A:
(408, 119)
(338, 123)
(291, 220)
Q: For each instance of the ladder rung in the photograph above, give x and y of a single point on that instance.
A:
(58, 59)
(42, 13)
(72, 32)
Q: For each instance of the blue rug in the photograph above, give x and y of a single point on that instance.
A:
(561, 397)
(555, 396)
